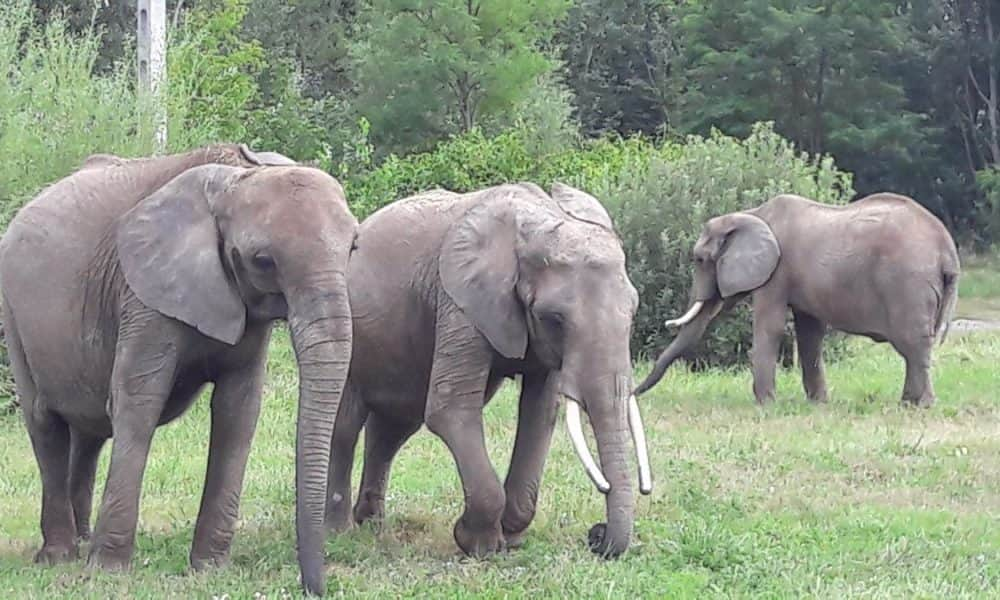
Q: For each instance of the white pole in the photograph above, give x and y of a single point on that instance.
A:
(151, 43)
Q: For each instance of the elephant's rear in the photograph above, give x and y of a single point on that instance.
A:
(46, 246)
(927, 249)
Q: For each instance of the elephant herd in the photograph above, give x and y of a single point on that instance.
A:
(132, 283)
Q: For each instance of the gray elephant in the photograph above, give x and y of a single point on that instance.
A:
(882, 267)
(452, 294)
(128, 286)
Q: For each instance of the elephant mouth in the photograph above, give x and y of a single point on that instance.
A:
(574, 427)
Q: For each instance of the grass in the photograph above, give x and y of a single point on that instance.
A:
(859, 497)
(979, 288)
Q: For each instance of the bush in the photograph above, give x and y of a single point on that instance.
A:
(53, 111)
(473, 161)
(659, 213)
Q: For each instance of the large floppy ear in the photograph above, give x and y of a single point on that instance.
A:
(268, 159)
(748, 257)
(581, 205)
(169, 251)
(479, 271)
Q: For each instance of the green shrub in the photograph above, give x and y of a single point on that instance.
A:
(54, 111)
(659, 213)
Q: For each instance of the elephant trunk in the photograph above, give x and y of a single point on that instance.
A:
(692, 330)
(610, 423)
(320, 323)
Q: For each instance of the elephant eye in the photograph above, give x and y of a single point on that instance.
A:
(552, 319)
(262, 261)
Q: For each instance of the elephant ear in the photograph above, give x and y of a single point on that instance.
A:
(581, 205)
(749, 256)
(265, 159)
(479, 271)
(168, 248)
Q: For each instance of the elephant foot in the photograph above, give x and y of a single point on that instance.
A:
(818, 397)
(338, 515)
(109, 560)
(926, 400)
(479, 543)
(514, 540)
(369, 509)
(598, 543)
(205, 563)
(54, 554)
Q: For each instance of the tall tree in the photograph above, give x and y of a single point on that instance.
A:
(618, 56)
(427, 68)
(826, 71)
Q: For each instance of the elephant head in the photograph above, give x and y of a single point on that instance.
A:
(544, 278)
(220, 246)
(735, 254)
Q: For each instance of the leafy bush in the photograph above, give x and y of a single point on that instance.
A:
(988, 181)
(659, 213)
(54, 111)
(472, 161)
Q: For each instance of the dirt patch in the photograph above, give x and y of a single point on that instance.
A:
(967, 325)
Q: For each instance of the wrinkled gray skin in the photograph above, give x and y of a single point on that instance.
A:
(452, 294)
(882, 267)
(129, 285)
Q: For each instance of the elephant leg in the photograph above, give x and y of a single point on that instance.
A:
(536, 420)
(917, 388)
(768, 328)
(84, 452)
(235, 409)
(50, 441)
(454, 413)
(809, 332)
(350, 419)
(383, 439)
(141, 381)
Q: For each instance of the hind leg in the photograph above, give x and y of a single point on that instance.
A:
(917, 388)
(84, 450)
(383, 439)
(50, 442)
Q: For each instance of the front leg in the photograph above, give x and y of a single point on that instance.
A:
(454, 413)
(536, 419)
(141, 381)
(769, 315)
(235, 409)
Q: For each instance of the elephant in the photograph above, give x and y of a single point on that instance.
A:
(132, 283)
(453, 293)
(883, 267)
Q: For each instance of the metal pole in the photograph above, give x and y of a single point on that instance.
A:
(151, 43)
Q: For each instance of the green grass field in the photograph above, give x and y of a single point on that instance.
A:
(856, 498)
(859, 497)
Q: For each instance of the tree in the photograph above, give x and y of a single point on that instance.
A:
(619, 55)
(428, 68)
(825, 71)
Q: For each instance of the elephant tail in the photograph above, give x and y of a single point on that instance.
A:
(946, 308)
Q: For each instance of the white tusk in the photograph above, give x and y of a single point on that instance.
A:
(688, 316)
(641, 452)
(580, 445)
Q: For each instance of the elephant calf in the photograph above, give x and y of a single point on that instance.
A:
(452, 294)
(883, 267)
(129, 285)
